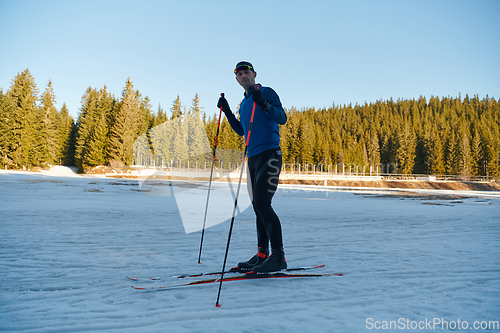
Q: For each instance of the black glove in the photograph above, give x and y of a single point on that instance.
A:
(259, 99)
(225, 107)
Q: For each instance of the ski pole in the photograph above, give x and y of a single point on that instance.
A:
(236, 201)
(210, 182)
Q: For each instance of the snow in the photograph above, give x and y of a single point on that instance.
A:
(191, 200)
(68, 242)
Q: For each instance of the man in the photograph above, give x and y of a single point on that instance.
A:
(264, 164)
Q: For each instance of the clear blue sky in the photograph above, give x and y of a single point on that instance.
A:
(313, 53)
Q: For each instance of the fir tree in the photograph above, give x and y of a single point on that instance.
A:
(491, 154)
(436, 161)
(160, 117)
(97, 144)
(373, 150)
(307, 141)
(85, 125)
(465, 154)
(451, 164)
(49, 127)
(146, 115)
(178, 144)
(146, 122)
(476, 154)
(198, 147)
(161, 138)
(7, 123)
(66, 130)
(127, 121)
(176, 109)
(26, 138)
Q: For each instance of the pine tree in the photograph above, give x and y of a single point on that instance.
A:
(435, 161)
(451, 164)
(152, 147)
(96, 152)
(66, 130)
(144, 144)
(307, 141)
(211, 129)
(476, 154)
(26, 138)
(146, 115)
(373, 150)
(491, 154)
(178, 144)
(465, 154)
(127, 121)
(160, 117)
(161, 137)
(406, 149)
(104, 118)
(176, 109)
(294, 146)
(7, 122)
(48, 126)
(198, 146)
(84, 127)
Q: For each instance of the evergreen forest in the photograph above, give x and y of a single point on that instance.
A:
(440, 136)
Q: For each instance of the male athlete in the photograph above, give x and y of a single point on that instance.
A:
(264, 164)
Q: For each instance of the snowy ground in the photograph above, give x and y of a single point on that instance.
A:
(67, 243)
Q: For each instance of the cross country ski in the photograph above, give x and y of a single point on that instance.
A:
(242, 277)
(232, 270)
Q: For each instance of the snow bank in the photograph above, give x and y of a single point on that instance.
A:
(60, 171)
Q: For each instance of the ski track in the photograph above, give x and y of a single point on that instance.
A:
(68, 243)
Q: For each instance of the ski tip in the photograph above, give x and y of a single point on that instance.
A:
(139, 288)
(319, 266)
(131, 278)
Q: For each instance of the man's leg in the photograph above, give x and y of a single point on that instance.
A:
(264, 186)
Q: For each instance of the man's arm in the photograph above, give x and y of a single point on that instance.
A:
(276, 111)
(236, 125)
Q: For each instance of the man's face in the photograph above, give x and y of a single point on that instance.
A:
(246, 78)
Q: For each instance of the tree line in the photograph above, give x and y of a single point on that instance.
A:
(443, 136)
(32, 131)
(447, 136)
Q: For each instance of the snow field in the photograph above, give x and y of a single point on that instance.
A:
(67, 244)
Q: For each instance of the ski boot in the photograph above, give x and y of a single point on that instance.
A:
(274, 263)
(259, 258)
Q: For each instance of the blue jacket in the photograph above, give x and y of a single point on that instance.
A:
(265, 130)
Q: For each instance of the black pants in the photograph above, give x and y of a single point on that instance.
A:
(263, 171)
